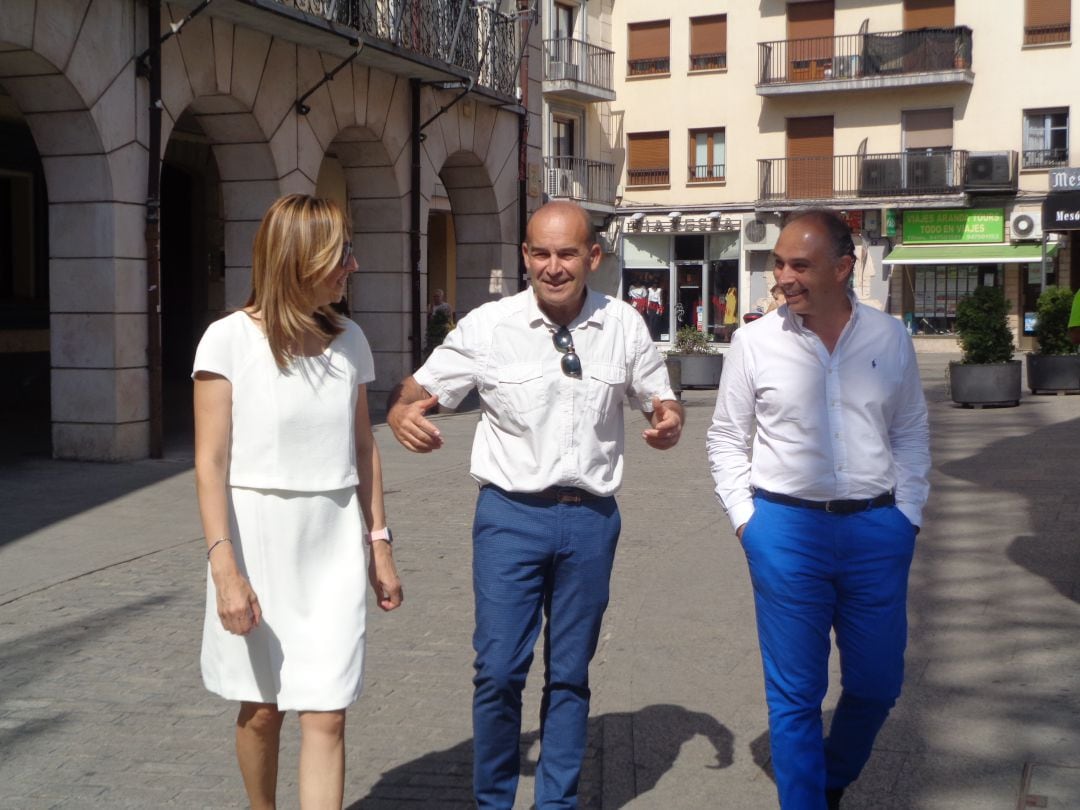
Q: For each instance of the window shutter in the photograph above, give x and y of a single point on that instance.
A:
(648, 150)
(648, 40)
(1047, 12)
(928, 129)
(929, 14)
(708, 35)
(810, 21)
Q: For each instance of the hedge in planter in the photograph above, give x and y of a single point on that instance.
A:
(1056, 366)
(987, 374)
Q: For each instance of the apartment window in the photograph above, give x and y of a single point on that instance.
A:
(708, 42)
(1046, 138)
(648, 48)
(708, 155)
(1046, 21)
(647, 159)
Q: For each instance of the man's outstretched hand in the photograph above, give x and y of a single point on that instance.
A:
(667, 421)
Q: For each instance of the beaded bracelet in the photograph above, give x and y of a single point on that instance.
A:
(217, 543)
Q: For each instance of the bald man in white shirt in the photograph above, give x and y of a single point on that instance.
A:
(819, 448)
(553, 366)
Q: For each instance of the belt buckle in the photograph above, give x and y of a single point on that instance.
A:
(567, 496)
(829, 507)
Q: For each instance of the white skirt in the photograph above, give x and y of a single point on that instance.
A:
(303, 553)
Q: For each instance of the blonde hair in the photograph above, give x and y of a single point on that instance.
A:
(298, 245)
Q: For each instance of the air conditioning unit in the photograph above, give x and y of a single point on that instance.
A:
(927, 173)
(563, 71)
(845, 67)
(759, 232)
(989, 170)
(560, 183)
(1025, 226)
(880, 176)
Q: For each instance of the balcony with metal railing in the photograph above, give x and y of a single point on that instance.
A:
(589, 182)
(705, 173)
(435, 40)
(942, 173)
(1044, 158)
(648, 176)
(578, 70)
(928, 56)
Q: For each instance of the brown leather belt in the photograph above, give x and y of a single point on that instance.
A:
(844, 507)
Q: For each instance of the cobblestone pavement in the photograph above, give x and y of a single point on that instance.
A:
(101, 585)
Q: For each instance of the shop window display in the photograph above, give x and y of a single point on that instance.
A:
(647, 292)
(936, 291)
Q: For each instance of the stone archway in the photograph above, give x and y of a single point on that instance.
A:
(94, 160)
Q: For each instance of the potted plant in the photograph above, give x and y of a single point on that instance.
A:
(698, 365)
(987, 374)
(1056, 366)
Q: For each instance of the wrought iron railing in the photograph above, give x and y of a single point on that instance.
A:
(476, 39)
(580, 61)
(856, 56)
(1045, 158)
(573, 178)
(648, 177)
(707, 173)
(895, 174)
(1042, 34)
(708, 61)
(647, 67)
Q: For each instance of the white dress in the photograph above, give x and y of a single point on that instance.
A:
(294, 519)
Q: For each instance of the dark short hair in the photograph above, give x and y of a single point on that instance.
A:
(838, 231)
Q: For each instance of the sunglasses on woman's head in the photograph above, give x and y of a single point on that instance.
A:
(570, 362)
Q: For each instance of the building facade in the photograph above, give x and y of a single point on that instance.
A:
(933, 126)
(578, 128)
(412, 113)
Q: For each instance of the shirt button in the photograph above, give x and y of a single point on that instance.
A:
(836, 435)
(839, 466)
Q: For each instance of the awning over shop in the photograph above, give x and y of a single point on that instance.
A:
(969, 254)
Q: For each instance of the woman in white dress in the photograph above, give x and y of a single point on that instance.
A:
(290, 490)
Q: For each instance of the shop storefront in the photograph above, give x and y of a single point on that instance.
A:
(678, 279)
(946, 254)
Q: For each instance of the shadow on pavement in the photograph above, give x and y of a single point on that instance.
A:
(639, 746)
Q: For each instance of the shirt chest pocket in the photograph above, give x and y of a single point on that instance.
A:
(521, 388)
(606, 383)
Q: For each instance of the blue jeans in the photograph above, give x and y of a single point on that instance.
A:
(535, 558)
(813, 571)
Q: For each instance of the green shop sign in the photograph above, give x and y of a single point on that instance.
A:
(964, 225)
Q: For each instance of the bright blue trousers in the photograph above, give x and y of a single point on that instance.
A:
(534, 558)
(814, 572)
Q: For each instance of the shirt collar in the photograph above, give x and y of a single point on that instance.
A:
(592, 311)
(797, 319)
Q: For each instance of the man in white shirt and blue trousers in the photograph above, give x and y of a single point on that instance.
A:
(553, 365)
(827, 504)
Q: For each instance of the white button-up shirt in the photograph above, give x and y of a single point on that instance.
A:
(851, 424)
(538, 427)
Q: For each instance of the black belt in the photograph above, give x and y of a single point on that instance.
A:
(846, 507)
(556, 494)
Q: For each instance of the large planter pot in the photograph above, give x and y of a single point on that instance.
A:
(989, 384)
(1053, 372)
(700, 370)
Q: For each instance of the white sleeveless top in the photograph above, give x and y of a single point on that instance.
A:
(292, 429)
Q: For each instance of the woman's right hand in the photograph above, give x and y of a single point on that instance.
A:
(237, 605)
